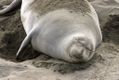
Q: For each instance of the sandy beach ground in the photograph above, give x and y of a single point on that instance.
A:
(104, 65)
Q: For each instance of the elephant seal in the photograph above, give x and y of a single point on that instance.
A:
(67, 30)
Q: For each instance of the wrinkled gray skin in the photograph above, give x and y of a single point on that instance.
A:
(70, 32)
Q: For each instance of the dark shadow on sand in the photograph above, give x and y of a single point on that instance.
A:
(111, 30)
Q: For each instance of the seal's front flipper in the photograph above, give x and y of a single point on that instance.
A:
(21, 54)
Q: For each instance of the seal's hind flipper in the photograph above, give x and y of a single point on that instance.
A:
(12, 7)
(20, 54)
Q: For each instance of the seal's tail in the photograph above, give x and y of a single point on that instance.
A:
(12, 7)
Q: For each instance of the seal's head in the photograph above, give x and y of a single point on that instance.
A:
(79, 51)
(79, 48)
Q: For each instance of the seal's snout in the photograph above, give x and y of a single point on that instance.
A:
(76, 51)
(80, 52)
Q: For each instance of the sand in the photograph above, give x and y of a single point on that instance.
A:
(104, 65)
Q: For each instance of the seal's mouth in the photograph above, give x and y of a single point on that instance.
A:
(80, 50)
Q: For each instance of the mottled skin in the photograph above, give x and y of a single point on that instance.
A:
(67, 30)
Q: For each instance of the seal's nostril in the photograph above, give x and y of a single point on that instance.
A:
(76, 51)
